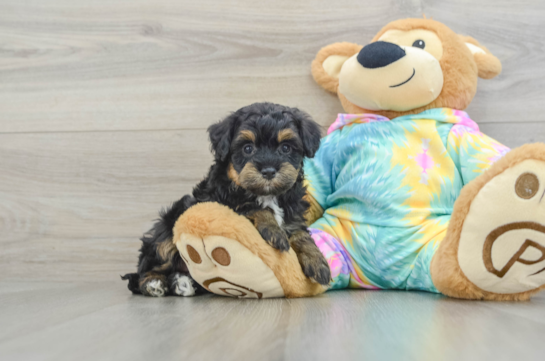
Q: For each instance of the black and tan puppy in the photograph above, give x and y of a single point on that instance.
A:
(258, 172)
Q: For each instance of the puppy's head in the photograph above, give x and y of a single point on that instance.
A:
(263, 145)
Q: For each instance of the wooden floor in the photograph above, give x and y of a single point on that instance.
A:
(103, 111)
(101, 321)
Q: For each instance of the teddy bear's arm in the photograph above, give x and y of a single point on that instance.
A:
(472, 151)
(314, 212)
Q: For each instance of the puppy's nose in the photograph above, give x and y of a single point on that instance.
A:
(268, 173)
(379, 54)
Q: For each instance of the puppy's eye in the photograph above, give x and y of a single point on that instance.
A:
(285, 148)
(248, 149)
(419, 44)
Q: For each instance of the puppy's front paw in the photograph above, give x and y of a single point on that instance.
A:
(315, 267)
(276, 237)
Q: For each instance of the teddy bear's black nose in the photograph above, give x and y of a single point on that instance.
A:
(379, 54)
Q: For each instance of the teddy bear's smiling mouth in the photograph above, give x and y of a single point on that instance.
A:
(406, 81)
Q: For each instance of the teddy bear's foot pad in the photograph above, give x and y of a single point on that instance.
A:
(225, 267)
(502, 242)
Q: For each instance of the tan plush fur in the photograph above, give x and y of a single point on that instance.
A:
(205, 219)
(489, 66)
(318, 72)
(314, 212)
(445, 270)
(460, 68)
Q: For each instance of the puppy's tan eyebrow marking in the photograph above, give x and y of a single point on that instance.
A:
(286, 134)
(247, 135)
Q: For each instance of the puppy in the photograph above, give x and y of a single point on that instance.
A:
(257, 172)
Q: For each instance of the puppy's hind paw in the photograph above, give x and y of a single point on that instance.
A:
(154, 288)
(276, 237)
(182, 285)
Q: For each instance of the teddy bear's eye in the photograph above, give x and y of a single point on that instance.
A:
(419, 44)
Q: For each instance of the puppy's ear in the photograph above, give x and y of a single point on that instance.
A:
(221, 135)
(309, 132)
(328, 63)
(488, 65)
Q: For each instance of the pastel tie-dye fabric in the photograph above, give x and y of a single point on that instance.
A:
(388, 188)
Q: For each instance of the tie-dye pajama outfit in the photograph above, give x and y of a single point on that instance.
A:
(387, 188)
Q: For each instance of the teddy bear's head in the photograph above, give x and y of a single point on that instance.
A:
(410, 66)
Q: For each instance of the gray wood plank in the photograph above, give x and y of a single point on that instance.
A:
(73, 205)
(161, 65)
(508, 31)
(80, 176)
(100, 321)
(515, 134)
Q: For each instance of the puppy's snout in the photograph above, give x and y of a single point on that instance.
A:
(379, 54)
(268, 173)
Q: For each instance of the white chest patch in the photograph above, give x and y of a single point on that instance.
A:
(272, 203)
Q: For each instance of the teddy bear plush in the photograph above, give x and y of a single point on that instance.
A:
(405, 191)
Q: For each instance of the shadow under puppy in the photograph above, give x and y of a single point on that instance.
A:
(257, 172)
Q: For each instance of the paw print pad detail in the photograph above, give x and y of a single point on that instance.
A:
(527, 185)
(528, 245)
(221, 256)
(193, 254)
(225, 267)
(230, 289)
(502, 243)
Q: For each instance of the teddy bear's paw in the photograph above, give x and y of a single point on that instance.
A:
(502, 241)
(225, 267)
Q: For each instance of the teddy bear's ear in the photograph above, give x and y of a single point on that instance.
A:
(489, 66)
(329, 61)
